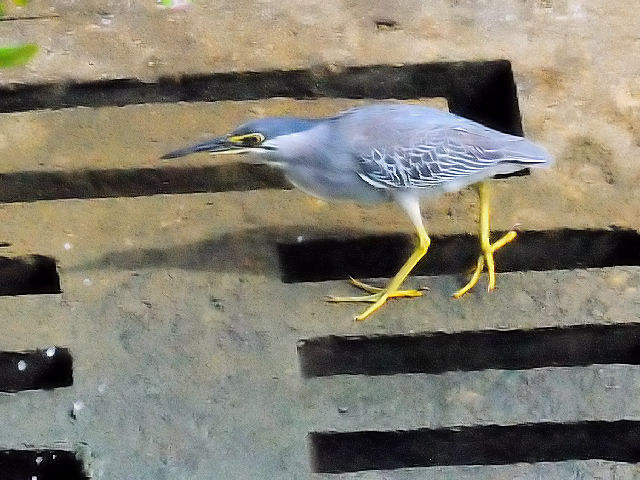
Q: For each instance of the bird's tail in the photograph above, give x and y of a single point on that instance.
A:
(528, 154)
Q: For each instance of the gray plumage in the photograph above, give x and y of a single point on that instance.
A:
(373, 153)
(397, 147)
(416, 148)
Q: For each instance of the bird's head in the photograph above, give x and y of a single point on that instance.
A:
(258, 136)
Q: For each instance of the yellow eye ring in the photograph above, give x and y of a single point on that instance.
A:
(250, 139)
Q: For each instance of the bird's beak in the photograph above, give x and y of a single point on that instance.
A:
(215, 146)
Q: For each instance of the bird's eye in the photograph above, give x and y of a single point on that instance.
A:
(250, 139)
(253, 139)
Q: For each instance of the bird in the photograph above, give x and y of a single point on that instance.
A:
(386, 152)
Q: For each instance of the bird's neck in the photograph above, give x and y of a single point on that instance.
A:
(300, 147)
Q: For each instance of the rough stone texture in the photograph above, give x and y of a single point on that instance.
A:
(182, 333)
(184, 345)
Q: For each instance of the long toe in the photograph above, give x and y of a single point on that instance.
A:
(474, 278)
(502, 241)
(373, 308)
(358, 298)
(374, 297)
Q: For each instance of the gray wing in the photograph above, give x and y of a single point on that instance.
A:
(448, 156)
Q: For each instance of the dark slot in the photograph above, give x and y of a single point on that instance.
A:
(32, 186)
(435, 353)
(36, 370)
(386, 24)
(497, 104)
(482, 445)
(483, 91)
(28, 275)
(40, 464)
(382, 256)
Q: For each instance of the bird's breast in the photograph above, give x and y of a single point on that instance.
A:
(332, 185)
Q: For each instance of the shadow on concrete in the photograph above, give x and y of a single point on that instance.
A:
(311, 255)
(249, 251)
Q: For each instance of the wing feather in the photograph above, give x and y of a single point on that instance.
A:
(445, 154)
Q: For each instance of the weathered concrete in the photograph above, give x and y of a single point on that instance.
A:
(184, 345)
(183, 335)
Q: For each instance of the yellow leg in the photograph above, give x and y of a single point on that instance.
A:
(488, 248)
(379, 296)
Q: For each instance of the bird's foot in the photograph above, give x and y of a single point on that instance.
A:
(378, 296)
(486, 258)
(397, 294)
(375, 293)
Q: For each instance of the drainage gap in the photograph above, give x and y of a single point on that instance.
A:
(40, 465)
(136, 182)
(383, 24)
(482, 445)
(482, 91)
(435, 353)
(28, 275)
(382, 256)
(35, 370)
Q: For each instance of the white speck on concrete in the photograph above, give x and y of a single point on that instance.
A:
(68, 246)
(77, 406)
(87, 282)
(51, 351)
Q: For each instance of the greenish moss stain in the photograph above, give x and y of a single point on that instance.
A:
(17, 55)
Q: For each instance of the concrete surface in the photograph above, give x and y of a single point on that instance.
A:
(183, 335)
(184, 347)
